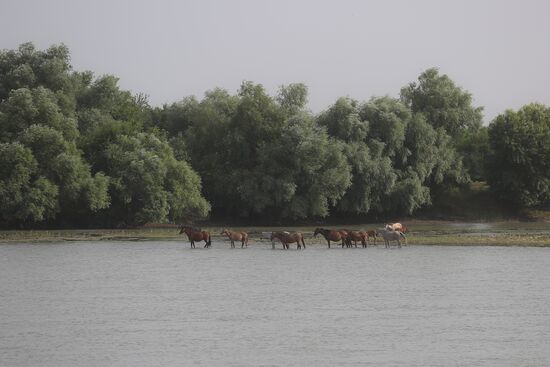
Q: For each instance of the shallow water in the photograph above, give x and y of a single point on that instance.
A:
(162, 304)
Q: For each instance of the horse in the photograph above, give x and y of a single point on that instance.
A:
(332, 235)
(357, 236)
(196, 235)
(370, 234)
(389, 236)
(236, 236)
(286, 238)
(396, 227)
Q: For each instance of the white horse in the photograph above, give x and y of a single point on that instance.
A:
(391, 235)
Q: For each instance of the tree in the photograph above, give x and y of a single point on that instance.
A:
(292, 98)
(473, 145)
(519, 166)
(442, 102)
(260, 155)
(24, 196)
(398, 161)
(50, 114)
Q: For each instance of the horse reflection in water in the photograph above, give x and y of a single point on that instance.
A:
(196, 235)
(287, 238)
(236, 236)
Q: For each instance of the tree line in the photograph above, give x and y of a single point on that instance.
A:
(76, 150)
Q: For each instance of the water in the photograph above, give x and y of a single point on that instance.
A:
(162, 304)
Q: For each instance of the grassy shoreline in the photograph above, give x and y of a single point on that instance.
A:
(533, 234)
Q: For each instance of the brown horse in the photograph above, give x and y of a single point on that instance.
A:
(332, 235)
(370, 234)
(286, 238)
(196, 235)
(236, 236)
(357, 236)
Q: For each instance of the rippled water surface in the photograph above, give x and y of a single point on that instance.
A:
(163, 304)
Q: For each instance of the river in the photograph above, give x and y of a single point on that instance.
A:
(162, 304)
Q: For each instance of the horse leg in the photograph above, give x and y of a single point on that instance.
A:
(328, 241)
(303, 243)
(192, 244)
(232, 243)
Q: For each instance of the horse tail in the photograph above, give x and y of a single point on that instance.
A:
(303, 243)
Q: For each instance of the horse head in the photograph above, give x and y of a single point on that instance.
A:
(317, 231)
(225, 232)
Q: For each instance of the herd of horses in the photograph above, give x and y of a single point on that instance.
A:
(390, 232)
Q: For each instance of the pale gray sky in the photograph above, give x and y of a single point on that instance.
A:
(497, 50)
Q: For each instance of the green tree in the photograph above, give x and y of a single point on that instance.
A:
(261, 155)
(443, 103)
(49, 114)
(473, 145)
(519, 167)
(398, 161)
(25, 197)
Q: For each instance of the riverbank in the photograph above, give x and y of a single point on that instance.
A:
(506, 233)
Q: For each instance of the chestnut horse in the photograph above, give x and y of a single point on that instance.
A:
(357, 236)
(286, 238)
(196, 235)
(332, 235)
(236, 236)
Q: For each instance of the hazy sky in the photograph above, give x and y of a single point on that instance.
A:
(497, 50)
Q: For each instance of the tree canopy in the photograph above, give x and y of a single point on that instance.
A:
(519, 167)
(76, 150)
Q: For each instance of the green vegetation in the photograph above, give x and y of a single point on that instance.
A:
(77, 151)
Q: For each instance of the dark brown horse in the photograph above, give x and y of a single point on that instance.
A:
(236, 236)
(332, 235)
(196, 235)
(287, 238)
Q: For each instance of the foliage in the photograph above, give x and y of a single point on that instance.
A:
(259, 154)
(473, 145)
(443, 104)
(519, 167)
(49, 115)
(397, 159)
(76, 150)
